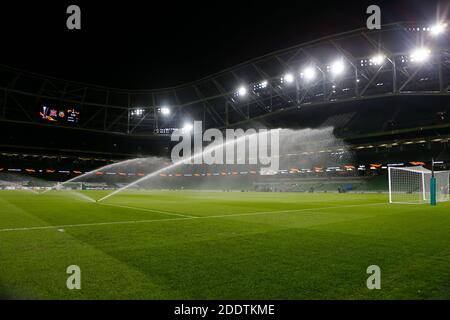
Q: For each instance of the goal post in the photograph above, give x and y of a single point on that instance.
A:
(414, 185)
(69, 186)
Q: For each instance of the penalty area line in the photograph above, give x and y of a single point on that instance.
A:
(148, 210)
(186, 218)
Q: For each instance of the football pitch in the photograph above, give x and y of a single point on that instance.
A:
(221, 245)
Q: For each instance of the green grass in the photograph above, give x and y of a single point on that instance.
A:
(215, 245)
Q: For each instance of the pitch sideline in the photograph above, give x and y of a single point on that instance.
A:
(182, 218)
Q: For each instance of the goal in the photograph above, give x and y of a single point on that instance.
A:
(412, 185)
(69, 186)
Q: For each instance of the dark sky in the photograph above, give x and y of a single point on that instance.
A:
(150, 44)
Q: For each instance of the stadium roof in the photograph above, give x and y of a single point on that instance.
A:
(403, 58)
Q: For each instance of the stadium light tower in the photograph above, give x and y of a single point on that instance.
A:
(309, 73)
(438, 29)
(337, 67)
(420, 55)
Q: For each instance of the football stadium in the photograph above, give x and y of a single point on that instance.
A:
(357, 188)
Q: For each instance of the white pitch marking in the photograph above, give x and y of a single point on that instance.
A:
(186, 218)
(149, 210)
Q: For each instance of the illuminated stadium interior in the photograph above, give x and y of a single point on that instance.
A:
(363, 84)
(168, 154)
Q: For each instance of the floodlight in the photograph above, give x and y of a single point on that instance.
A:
(242, 91)
(309, 73)
(420, 55)
(137, 112)
(438, 29)
(288, 77)
(165, 111)
(337, 67)
(263, 84)
(188, 127)
(377, 60)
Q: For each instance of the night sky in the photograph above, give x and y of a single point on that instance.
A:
(151, 44)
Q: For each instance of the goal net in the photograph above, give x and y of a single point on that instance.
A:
(412, 185)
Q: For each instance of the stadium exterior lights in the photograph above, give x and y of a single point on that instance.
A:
(377, 60)
(309, 73)
(288, 78)
(263, 84)
(438, 29)
(337, 67)
(165, 111)
(242, 91)
(420, 55)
